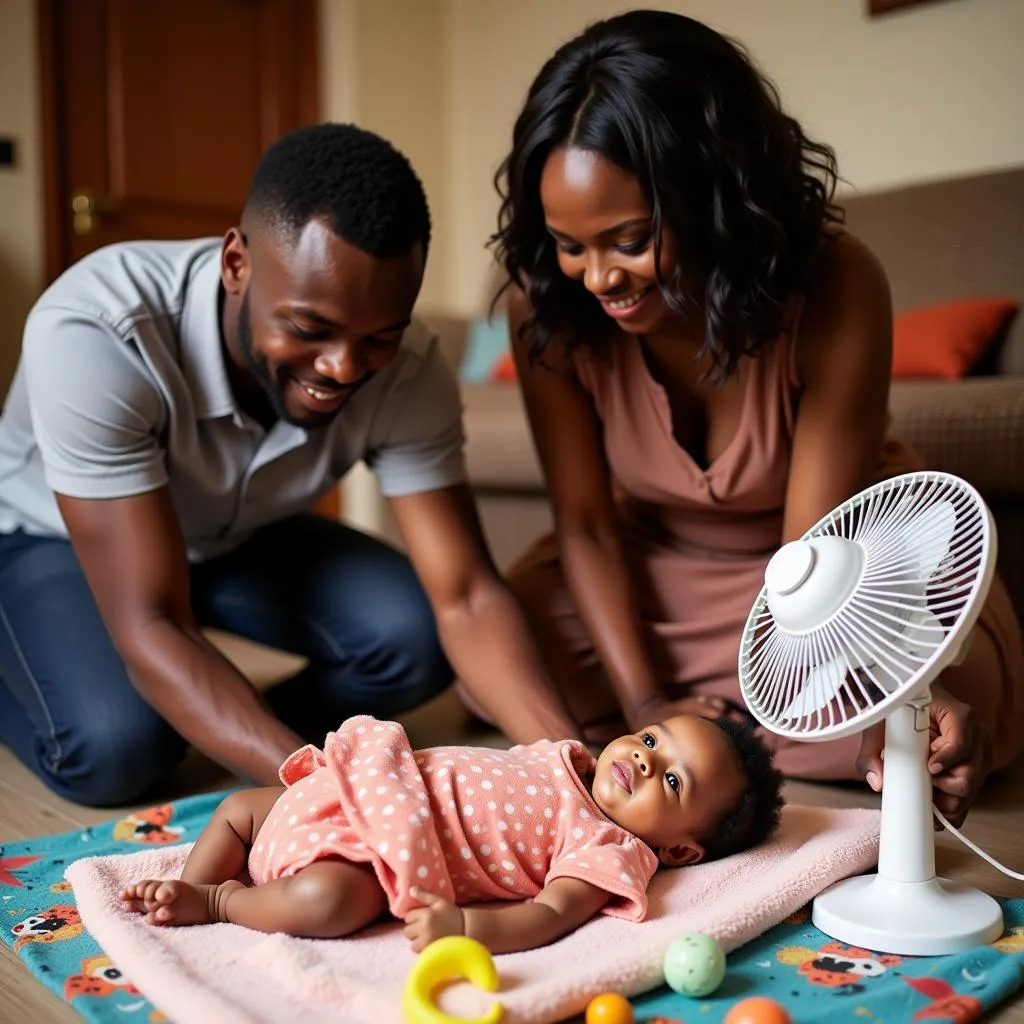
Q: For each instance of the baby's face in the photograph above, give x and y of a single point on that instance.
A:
(667, 783)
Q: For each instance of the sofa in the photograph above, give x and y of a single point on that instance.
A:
(938, 241)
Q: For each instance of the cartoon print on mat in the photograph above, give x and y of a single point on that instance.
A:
(55, 924)
(149, 826)
(800, 916)
(837, 966)
(9, 864)
(99, 977)
(60, 887)
(946, 1003)
(1012, 941)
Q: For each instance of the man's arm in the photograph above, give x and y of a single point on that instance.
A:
(133, 556)
(482, 627)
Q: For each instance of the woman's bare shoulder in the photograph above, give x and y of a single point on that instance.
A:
(848, 287)
(845, 263)
(555, 356)
(846, 326)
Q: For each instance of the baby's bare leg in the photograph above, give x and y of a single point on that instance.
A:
(222, 850)
(326, 900)
(220, 854)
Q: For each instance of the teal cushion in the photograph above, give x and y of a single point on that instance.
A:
(486, 342)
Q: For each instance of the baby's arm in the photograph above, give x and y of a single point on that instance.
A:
(559, 908)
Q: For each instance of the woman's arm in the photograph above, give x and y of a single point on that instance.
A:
(844, 353)
(567, 433)
(845, 359)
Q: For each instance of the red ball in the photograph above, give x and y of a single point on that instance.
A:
(757, 1010)
(609, 1008)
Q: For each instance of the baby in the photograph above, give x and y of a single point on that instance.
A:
(367, 825)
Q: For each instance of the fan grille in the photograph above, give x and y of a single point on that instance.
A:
(926, 541)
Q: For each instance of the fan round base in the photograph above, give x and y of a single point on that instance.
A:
(909, 918)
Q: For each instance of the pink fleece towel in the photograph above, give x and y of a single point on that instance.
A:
(227, 974)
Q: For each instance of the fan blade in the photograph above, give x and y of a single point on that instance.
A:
(858, 656)
(822, 685)
(922, 633)
(928, 536)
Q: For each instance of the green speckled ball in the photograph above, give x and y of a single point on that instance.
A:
(694, 965)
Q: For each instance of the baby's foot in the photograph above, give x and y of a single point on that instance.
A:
(173, 902)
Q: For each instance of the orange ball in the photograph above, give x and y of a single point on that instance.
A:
(757, 1010)
(609, 1008)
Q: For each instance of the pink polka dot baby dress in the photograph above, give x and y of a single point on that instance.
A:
(468, 824)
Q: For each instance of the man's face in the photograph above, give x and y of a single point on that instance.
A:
(317, 317)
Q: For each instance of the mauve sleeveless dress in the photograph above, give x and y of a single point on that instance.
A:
(697, 542)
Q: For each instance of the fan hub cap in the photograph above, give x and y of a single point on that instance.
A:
(808, 581)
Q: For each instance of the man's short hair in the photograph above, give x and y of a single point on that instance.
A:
(755, 815)
(358, 182)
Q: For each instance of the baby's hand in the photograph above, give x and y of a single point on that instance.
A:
(437, 918)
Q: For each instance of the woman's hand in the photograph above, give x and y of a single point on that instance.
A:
(959, 755)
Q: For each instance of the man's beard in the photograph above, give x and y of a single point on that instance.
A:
(274, 385)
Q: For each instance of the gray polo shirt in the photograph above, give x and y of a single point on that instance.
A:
(122, 389)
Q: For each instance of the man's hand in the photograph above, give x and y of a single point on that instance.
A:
(482, 627)
(437, 918)
(960, 753)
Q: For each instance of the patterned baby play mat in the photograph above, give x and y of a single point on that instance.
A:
(815, 978)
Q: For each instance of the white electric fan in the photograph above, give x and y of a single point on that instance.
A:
(854, 623)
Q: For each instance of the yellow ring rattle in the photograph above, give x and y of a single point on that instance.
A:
(448, 959)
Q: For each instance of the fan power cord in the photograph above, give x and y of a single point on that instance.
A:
(977, 849)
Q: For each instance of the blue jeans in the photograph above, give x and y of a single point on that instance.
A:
(348, 603)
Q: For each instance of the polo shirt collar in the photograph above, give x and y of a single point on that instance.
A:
(202, 351)
(203, 356)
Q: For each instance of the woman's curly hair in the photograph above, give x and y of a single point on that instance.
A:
(735, 179)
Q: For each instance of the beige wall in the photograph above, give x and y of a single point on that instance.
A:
(21, 232)
(384, 65)
(916, 95)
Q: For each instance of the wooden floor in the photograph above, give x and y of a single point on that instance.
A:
(28, 809)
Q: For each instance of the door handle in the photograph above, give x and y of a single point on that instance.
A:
(86, 209)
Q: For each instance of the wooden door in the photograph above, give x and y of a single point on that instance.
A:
(156, 112)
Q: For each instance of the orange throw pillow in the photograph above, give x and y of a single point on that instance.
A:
(504, 370)
(948, 340)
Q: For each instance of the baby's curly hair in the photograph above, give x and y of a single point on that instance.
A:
(365, 189)
(683, 109)
(755, 816)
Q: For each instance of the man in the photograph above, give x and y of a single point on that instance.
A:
(176, 409)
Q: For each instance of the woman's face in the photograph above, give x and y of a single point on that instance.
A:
(601, 225)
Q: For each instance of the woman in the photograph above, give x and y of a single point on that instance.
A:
(705, 357)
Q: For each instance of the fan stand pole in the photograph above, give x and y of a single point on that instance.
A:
(904, 908)
(906, 844)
